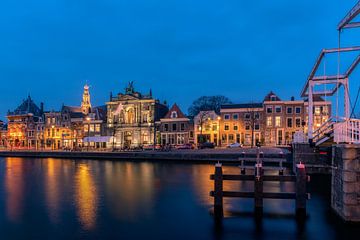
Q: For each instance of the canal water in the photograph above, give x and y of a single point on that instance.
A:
(88, 199)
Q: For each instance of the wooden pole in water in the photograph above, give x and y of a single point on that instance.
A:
(258, 189)
(218, 191)
(301, 195)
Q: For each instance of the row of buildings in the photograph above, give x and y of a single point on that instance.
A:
(132, 120)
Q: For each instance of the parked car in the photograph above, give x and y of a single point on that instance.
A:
(185, 146)
(206, 145)
(234, 145)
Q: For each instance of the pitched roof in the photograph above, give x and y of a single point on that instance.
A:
(26, 107)
(242, 105)
(271, 94)
(175, 108)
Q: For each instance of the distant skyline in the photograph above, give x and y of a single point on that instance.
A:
(180, 49)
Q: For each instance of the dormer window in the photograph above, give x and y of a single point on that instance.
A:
(174, 114)
(273, 98)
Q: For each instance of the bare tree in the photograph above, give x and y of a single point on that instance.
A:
(208, 103)
(253, 120)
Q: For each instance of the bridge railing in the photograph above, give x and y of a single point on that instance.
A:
(347, 131)
(325, 128)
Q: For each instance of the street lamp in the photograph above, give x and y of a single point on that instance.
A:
(219, 137)
(52, 138)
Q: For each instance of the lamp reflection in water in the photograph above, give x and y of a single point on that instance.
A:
(52, 182)
(14, 186)
(85, 197)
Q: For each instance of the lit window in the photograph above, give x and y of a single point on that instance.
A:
(269, 121)
(317, 110)
(226, 127)
(277, 121)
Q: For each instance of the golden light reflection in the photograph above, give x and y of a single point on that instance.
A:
(14, 187)
(52, 188)
(85, 197)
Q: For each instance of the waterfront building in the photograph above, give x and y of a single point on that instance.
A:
(241, 123)
(284, 118)
(25, 126)
(76, 127)
(132, 117)
(175, 128)
(207, 127)
(3, 134)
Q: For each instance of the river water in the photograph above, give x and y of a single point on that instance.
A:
(88, 199)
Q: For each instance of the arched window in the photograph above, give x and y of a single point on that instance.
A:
(174, 114)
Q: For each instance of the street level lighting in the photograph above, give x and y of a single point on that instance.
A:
(219, 138)
(88, 135)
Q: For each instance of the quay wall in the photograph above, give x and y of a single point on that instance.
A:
(345, 184)
(191, 156)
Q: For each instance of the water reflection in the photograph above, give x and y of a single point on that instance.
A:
(52, 182)
(130, 189)
(14, 187)
(86, 198)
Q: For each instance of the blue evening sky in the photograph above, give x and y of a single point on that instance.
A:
(182, 49)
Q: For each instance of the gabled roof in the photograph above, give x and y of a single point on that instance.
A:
(175, 108)
(271, 94)
(26, 107)
(100, 112)
(242, 105)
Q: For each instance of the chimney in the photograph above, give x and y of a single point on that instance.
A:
(292, 98)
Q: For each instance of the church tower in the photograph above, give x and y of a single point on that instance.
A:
(86, 104)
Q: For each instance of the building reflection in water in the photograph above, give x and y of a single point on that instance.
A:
(129, 188)
(52, 182)
(86, 198)
(14, 187)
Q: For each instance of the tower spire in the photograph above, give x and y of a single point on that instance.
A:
(86, 103)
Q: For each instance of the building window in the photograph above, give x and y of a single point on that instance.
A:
(277, 121)
(273, 98)
(97, 128)
(231, 137)
(235, 116)
(238, 138)
(182, 126)
(289, 122)
(269, 109)
(247, 126)
(235, 127)
(269, 121)
(227, 116)
(92, 128)
(298, 122)
(174, 114)
(247, 115)
(257, 126)
(174, 127)
(224, 137)
(257, 115)
(289, 110)
(317, 110)
(214, 127)
(278, 109)
(226, 128)
(298, 110)
(166, 127)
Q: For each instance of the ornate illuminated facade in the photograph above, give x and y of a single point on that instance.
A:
(131, 117)
(3, 135)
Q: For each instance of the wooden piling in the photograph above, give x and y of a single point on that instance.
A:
(218, 193)
(258, 188)
(301, 195)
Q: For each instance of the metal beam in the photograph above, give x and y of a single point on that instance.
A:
(350, 16)
(352, 25)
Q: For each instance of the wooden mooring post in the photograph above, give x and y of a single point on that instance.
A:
(300, 195)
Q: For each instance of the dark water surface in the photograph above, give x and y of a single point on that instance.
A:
(68, 199)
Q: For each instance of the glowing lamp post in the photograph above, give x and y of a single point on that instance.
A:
(88, 119)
